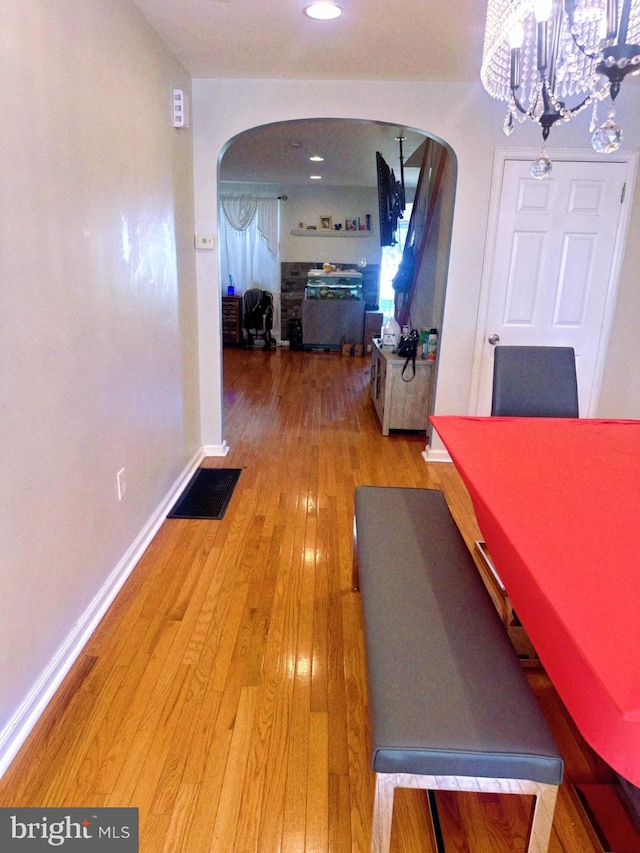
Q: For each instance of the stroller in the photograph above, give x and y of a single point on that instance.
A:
(258, 317)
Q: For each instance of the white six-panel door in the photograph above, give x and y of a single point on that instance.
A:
(552, 268)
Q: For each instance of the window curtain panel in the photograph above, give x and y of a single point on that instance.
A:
(250, 247)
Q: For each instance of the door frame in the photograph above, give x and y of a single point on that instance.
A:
(501, 155)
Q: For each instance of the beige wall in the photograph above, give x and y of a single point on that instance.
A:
(620, 396)
(98, 339)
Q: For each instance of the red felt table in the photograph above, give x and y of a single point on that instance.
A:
(558, 503)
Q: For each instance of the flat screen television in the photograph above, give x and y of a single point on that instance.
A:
(390, 201)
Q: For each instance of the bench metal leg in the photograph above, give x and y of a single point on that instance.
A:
(383, 813)
(386, 783)
(542, 819)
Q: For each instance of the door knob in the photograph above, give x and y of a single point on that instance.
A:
(494, 339)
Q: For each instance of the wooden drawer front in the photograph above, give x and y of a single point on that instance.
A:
(232, 319)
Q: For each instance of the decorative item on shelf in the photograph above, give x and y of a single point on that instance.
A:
(350, 225)
(326, 223)
(551, 59)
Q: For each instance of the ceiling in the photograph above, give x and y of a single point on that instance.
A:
(279, 153)
(435, 40)
(404, 40)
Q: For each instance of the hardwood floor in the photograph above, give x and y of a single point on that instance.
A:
(224, 693)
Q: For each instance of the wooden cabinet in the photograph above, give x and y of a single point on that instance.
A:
(232, 319)
(400, 404)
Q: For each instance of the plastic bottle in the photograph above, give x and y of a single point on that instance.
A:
(432, 345)
(231, 289)
(390, 333)
(424, 339)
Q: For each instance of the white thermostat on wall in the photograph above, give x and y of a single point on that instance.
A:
(180, 109)
(204, 241)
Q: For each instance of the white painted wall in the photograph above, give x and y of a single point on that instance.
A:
(98, 332)
(470, 123)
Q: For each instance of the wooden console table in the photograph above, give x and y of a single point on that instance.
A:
(400, 404)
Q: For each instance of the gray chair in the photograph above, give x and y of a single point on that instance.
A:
(534, 382)
(528, 382)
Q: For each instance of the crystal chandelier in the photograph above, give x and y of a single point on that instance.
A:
(551, 59)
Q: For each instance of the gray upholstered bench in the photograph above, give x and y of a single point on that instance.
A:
(450, 706)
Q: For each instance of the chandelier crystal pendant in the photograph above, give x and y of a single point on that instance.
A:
(551, 59)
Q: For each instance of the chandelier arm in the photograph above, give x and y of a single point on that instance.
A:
(555, 46)
(612, 19)
(542, 28)
(515, 69)
(573, 110)
(624, 22)
(519, 105)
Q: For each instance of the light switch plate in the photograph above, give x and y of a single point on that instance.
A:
(180, 108)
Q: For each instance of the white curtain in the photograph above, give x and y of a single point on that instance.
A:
(250, 247)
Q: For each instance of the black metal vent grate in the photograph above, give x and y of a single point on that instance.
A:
(207, 495)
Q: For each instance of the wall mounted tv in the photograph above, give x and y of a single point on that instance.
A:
(390, 201)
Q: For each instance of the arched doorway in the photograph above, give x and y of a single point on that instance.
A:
(324, 173)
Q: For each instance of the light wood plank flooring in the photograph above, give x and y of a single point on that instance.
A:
(224, 694)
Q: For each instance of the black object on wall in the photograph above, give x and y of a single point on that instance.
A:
(390, 201)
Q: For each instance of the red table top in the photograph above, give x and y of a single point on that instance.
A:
(558, 503)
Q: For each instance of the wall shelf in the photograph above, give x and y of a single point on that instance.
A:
(325, 232)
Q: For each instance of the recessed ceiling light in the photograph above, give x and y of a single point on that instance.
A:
(323, 11)
(316, 177)
(317, 159)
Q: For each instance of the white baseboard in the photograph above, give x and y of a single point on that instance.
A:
(19, 726)
(215, 449)
(430, 455)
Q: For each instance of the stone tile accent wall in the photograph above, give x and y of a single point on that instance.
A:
(293, 280)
